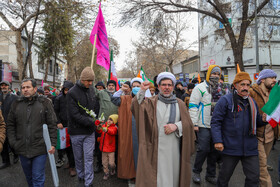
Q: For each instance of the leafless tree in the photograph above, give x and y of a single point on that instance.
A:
(145, 10)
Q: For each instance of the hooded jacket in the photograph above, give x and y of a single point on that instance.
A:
(179, 92)
(79, 122)
(107, 141)
(200, 103)
(60, 105)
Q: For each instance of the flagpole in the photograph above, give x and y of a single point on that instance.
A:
(93, 51)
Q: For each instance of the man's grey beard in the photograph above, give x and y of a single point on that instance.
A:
(111, 91)
(165, 95)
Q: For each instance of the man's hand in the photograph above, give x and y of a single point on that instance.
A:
(169, 128)
(196, 128)
(52, 150)
(145, 85)
(60, 126)
(219, 146)
(125, 87)
(180, 87)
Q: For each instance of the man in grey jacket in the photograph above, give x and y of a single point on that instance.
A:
(25, 131)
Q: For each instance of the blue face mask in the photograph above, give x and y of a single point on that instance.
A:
(135, 90)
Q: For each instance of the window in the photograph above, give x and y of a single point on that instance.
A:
(275, 29)
(56, 69)
(50, 67)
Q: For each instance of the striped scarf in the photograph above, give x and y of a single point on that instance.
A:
(253, 111)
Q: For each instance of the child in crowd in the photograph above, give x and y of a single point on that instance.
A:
(107, 143)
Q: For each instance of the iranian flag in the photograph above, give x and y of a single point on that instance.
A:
(272, 107)
(142, 75)
(52, 90)
(63, 138)
(112, 72)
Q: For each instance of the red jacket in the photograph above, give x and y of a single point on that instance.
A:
(108, 139)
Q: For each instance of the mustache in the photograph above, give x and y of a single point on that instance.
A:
(244, 91)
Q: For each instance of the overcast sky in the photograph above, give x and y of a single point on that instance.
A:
(125, 35)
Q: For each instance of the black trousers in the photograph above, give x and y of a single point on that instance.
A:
(6, 151)
(69, 153)
(205, 150)
(250, 166)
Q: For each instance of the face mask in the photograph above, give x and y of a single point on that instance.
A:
(135, 90)
(214, 81)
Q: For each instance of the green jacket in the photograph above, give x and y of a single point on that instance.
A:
(25, 125)
(106, 105)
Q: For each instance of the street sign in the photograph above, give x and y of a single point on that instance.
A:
(256, 76)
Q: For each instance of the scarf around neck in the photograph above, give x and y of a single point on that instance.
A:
(253, 111)
(170, 100)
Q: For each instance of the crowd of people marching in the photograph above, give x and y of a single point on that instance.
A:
(144, 132)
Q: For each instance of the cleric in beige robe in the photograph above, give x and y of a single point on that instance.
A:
(165, 136)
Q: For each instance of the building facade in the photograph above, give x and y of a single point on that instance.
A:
(8, 61)
(214, 44)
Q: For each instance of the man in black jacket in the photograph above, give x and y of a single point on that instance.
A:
(6, 99)
(81, 125)
(60, 108)
(25, 131)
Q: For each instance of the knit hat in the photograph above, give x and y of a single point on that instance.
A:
(114, 117)
(166, 75)
(212, 69)
(112, 81)
(266, 73)
(87, 74)
(5, 82)
(100, 83)
(241, 76)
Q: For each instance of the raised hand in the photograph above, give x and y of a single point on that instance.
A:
(125, 87)
(145, 85)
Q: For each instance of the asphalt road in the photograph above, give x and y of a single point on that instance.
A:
(13, 176)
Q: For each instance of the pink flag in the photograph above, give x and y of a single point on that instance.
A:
(42, 83)
(102, 45)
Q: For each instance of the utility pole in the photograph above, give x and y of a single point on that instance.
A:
(257, 38)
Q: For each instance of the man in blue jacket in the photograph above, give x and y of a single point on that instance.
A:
(233, 128)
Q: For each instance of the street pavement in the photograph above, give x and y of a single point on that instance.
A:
(13, 176)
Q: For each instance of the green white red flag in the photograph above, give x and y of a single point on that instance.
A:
(142, 75)
(63, 139)
(272, 107)
(112, 71)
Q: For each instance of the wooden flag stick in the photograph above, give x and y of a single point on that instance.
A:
(93, 51)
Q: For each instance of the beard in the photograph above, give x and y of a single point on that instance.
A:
(165, 95)
(111, 90)
(269, 86)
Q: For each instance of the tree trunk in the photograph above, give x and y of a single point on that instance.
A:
(47, 69)
(70, 68)
(238, 58)
(31, 75)
(54, 69)
(19, 53)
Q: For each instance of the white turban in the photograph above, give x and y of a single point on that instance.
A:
(136, 79)
(166, 75)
